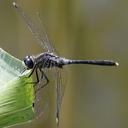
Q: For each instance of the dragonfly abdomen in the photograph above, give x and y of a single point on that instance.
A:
(93, 62)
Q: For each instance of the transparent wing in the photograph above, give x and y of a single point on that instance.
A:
(42, 37)
(42, 100)
(39, 33)
(60, 88)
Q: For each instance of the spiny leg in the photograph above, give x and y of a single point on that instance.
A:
(31, 72)
(37, 78)
(35, 84)
(43, 76)
(35, 67)
(24, 69)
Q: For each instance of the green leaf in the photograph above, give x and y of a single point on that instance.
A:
(16, 92)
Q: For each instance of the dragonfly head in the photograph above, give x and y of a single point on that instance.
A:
(29, 62)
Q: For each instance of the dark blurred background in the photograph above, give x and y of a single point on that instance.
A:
(95, 97)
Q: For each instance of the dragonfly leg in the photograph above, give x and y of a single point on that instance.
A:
(23, 71)
(37, 78)
(35, 67)
(43, 76)
(31, 71)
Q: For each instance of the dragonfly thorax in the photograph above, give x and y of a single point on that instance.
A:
(48, 60)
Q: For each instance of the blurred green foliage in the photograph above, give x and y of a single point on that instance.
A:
(95, 97)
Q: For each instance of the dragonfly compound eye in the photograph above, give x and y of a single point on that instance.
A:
(28, 62)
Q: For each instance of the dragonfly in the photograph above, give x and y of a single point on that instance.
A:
(49, 59)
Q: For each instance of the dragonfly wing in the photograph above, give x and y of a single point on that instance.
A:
(41, 104)
(42, 36)
(60, 88)
(37, 31)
